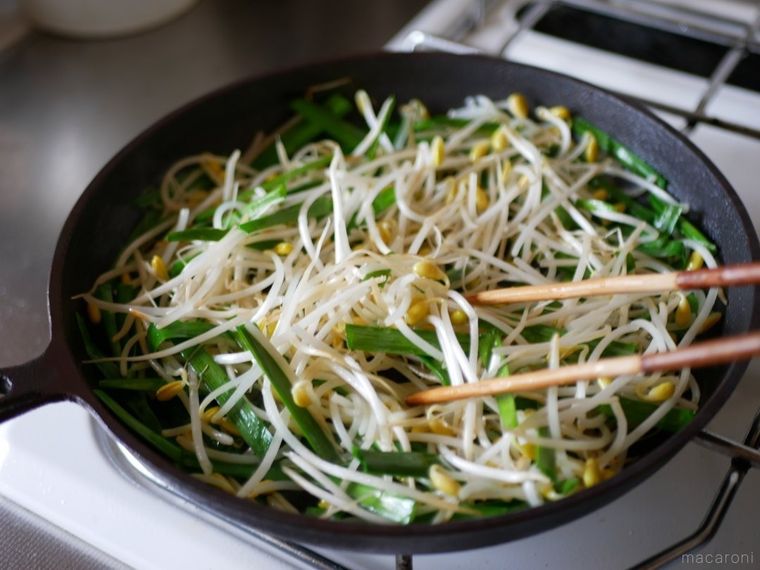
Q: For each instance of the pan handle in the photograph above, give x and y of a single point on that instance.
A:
(29, 386)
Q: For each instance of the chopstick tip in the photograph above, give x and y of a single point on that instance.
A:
(416, 399)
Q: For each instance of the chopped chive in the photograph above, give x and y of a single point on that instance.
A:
(490, 508)
(689, 231)
(137, 403)
(105, 292)
(372, 150)
(178, 330)
(311, 430)
(443, 122)
(507, 410)
(303, 132)
(264, 244)
(625, 156)
(345, 133)
(632, 206)
(636, 412)
(486, 343)
(197, 234)
(321, 207)
(390, 340)
(546, 457)
(630, 263)
(616, 348)
(567, 486)
(124, 294)
(295, 173)
(240, 471)
(507, 404)
(179, 265)
(456, 277)
(595, 207)
(252, 429)
(668, 215)
(386, 273)
(384, 200)
(399, 463)
(540, 333)
(176, 453)
(108, 369)
(257, 204)
(666, 248)
(566, 219)
(305, 186)
(437, 368)
(158, 441)
(392, 507)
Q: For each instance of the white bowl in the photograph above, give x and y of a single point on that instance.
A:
(101, 18)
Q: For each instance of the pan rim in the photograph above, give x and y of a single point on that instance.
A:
(279, 522)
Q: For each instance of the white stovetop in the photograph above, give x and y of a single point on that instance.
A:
(51, 461)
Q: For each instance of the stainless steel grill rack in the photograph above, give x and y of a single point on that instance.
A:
(737, 36)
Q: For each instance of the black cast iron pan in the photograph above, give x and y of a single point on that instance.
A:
(96, 230)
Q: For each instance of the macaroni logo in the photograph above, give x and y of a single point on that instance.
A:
(722, 558)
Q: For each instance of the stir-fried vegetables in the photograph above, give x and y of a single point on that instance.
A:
(270, 315)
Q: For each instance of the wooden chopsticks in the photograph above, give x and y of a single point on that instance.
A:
(701, 354)
(706, 353)
(739, 274)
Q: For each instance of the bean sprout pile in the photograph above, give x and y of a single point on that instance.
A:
(275, 308)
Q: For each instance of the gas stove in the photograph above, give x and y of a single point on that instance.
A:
(697, 65)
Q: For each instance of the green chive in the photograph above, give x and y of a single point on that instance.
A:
(546, 457)
(392, 507)
(625, 156)
(345, 133)
(636, 412)
(311, 430)
(158, 441)
(399, 463)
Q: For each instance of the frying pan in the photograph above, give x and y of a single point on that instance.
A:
(101, 220)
